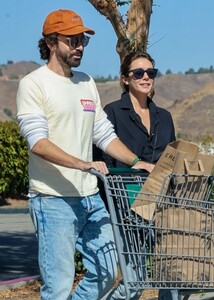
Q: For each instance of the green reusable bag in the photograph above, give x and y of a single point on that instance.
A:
(133, 190)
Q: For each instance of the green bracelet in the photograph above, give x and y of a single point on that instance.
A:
(135, 160)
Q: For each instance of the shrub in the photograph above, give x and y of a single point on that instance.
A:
(13, 161)
(78, 262)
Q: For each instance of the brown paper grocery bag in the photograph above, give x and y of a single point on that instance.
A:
(179, 157)
(184, 245)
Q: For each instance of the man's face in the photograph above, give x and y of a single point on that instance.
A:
(70, 49)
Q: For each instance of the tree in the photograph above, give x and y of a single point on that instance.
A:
(190, 71)
(168, 72)
(132, 30)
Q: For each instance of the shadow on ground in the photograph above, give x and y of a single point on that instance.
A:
(18, 255)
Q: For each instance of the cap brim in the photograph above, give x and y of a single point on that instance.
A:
(76, 30)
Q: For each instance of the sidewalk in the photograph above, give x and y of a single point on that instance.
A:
(18, 246)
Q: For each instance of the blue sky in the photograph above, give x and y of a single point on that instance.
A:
(181, 34)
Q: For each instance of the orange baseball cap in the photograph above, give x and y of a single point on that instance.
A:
(65, 22)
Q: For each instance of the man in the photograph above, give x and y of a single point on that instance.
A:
(60, 115)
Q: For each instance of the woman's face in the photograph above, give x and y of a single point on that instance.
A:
(138, 80)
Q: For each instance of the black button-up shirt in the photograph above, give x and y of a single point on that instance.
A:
(131, 131)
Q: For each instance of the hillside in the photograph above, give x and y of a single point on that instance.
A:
(194, 115)
(190, 98)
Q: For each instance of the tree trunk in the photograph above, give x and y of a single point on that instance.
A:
(133, 32)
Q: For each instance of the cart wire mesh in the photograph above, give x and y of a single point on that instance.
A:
(166, 238)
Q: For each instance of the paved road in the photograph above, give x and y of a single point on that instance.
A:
(18, 245)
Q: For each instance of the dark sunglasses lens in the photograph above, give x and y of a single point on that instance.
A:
(138, 73)
(85, 41)
(75, 41)
(152, 73)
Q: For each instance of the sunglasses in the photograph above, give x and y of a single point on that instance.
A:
(139, 73)
(75, 41)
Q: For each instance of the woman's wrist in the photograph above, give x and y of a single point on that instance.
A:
(135, 160)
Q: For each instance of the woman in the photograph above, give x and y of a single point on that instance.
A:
(142, 126)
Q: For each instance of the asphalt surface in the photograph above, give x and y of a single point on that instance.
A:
(18, 245)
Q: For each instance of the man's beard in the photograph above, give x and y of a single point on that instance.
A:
(68, 60)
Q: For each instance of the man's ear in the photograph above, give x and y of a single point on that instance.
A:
(51, 46)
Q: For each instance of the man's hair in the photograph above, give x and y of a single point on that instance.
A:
(43, 45)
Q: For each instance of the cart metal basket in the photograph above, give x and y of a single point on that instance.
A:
(168, 238)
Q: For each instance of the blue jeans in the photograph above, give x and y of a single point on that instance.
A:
(125, 240)
(133, 274)
(64, 225)
(119, 292)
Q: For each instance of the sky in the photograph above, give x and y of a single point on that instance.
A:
(180, 34)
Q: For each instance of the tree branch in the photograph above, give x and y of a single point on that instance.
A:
(133, 34)
(109, 9)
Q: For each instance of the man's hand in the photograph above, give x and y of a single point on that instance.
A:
(99, 166)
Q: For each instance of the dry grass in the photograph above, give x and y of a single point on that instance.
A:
(31, 292)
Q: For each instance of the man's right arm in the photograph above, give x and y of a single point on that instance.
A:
(34, 128)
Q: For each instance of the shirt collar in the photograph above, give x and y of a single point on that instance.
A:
(125, 103)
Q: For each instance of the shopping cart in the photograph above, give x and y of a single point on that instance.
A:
(167, 239)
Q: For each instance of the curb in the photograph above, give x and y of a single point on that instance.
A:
(14, 210)
(14, 283)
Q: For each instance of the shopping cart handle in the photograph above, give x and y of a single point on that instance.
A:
(126, 171)
(98, 174)
(119, 171)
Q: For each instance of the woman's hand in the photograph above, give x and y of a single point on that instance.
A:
(144, 166)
